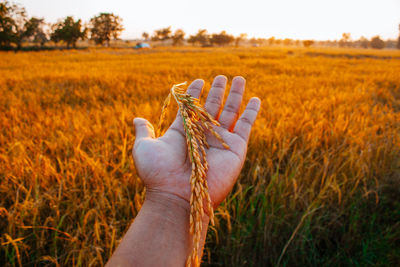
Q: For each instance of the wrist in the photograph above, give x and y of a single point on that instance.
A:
(167, 200)
(170, 205)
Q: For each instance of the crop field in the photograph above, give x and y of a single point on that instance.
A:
(320, 185)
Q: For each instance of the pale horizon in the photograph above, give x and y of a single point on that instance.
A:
(310, 19)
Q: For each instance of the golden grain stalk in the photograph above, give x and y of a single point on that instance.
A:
(196, 121)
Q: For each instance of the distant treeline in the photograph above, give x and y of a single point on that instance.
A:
(16, 29)
(203, 38)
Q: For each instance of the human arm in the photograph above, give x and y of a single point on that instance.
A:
(159, 235)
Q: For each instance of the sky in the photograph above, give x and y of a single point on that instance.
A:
(297, 19)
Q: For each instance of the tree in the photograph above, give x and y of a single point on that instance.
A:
(19, 17)
(240, 38)
(104, 27)
(201, 38)
(377, 42)
(35, 29)
(162, 34)
(271, 40)
(178, 37)
(287, 42)
(398, 40)
(346, 39)
(254, 42)
(221, 38)
(364, 43)
(145, 36)
(6, 24)
(308, 43)
(69, 31)
(13, 24)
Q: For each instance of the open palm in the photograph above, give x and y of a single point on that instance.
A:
(163, 163)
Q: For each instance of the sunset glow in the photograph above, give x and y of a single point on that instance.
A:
(312, 19)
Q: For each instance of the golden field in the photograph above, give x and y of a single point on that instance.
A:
(320, 185)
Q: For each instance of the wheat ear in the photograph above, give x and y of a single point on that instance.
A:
(196, 121)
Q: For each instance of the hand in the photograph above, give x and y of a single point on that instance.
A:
(163, 163)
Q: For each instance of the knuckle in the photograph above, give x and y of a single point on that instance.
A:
(246, 120)
(193, 90)
(214, 100)
(230, 107)
(220, 86)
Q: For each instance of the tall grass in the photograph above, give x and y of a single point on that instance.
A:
(320, 185)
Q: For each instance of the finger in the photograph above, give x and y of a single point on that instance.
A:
(143, 128)
(232, 105)
(195, 88)
(245, 122)
(215, 96)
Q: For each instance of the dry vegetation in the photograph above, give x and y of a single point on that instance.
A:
(320, 185)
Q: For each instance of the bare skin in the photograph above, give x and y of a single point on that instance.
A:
(159, 235)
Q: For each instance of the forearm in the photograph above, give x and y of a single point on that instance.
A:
(159, 235)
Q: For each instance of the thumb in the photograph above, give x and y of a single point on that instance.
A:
(143, 128)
